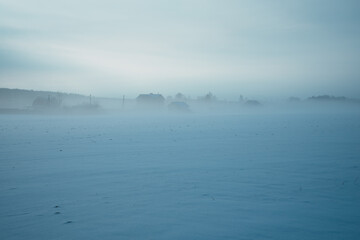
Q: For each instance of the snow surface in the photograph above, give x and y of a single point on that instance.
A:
(256, 176)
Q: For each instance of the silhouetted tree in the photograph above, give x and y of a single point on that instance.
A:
(209, 97)
(180, 96)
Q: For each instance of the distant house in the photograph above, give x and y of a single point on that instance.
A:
(150, 99)
(179, 107)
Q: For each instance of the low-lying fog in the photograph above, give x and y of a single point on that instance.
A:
(81, 167)
(37, 102)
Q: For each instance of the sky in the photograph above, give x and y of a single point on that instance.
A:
(111, 48)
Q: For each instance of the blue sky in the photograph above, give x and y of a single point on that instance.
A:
(110, 48)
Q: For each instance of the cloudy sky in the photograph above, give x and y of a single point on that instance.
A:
(276, 48)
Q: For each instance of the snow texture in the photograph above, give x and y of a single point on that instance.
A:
(256, 176)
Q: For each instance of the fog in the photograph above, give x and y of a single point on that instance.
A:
(49, 103)
(206, 173)
(179, 119)
(154, 167)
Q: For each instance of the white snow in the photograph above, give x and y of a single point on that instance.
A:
(255, 176)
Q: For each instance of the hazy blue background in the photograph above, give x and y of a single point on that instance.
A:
(110, 48)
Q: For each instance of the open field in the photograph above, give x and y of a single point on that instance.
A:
(254, 176)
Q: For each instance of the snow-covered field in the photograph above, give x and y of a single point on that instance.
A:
(255, 176)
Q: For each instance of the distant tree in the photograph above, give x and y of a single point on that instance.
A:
(327, 98)
(209, 97)
(180, 96)
(150, 99)
(49, 102)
